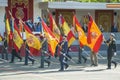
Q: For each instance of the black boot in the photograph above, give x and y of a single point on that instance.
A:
(115, 64)
(49, 64)
(33, 62)
(85, 60)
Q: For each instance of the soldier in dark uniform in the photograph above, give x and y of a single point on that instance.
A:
(44, 51)
(64, 48)
(111, 43)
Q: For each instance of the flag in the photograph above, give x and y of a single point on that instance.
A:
(8, 31)
(94, 37)
(17, 39)
(32, 41)
(67, 31)
(54, 28)
(51, 38)
(81, 34)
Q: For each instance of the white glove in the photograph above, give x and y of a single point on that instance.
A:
(63, 54)
(82, 49)
(115, 53)
(45, 52)
(6, 48)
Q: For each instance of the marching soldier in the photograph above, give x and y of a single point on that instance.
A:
(111, 43)
(64, 48)
(44, 51)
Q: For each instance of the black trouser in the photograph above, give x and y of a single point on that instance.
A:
(109, 58)
(28, 57)
(4, 53)
(62, 62)
(80, 56)
(15, 54)
(44, 60)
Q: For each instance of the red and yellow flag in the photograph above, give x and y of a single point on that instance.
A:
(95, 36)
(32, 41)
(67, 31)
(54, 28)
(81, 34)
(18, 41)
(51, 38)
(8, 31)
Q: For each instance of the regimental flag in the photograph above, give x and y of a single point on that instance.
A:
(95, 36)
(32, 41)
(51, 38)
(18, 41)
(54, 28)
(8, 31)
(81, 34)
(67, 31)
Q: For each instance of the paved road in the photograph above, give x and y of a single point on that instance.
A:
(18, 71)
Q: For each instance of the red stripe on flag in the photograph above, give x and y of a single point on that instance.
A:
(98, 44)
(89, 32)
(70, 35)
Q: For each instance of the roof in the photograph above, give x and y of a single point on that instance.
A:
(78, 5)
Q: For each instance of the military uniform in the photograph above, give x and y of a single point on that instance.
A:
(44, 50)
(64, 46)
(111, 50)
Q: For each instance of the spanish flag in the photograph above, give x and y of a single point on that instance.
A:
(18, 41)
(81, 34)
(8, 31)
(54, 28)
(95, 36)
(67, 31)
(32, 41)
(51, 38)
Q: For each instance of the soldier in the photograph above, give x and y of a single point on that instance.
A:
(64, 48)
(111, 43)
(44, 51)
